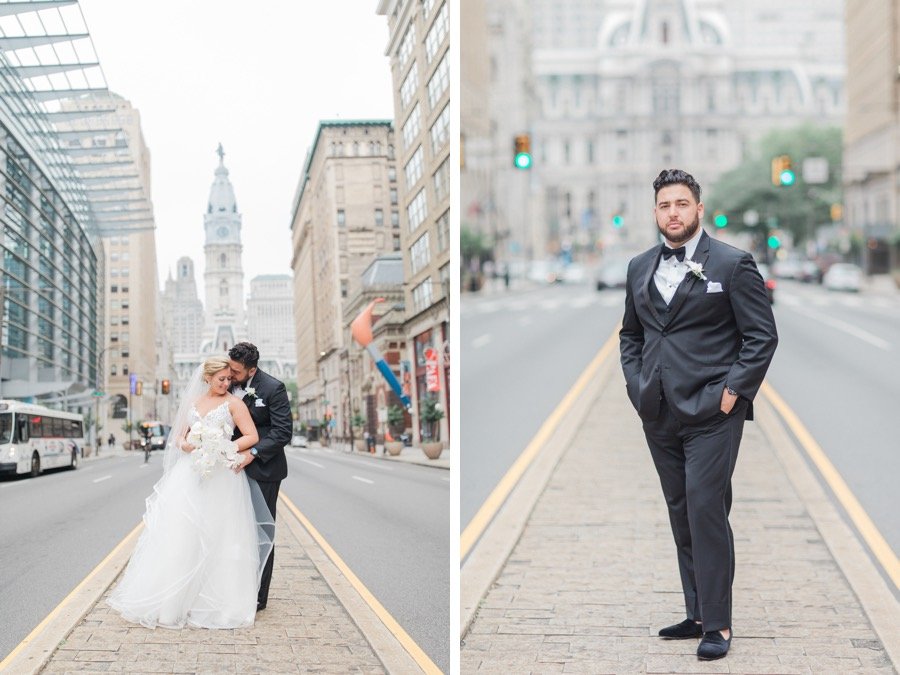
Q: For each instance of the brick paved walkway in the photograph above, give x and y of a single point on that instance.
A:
(305, 629)
(594, 574)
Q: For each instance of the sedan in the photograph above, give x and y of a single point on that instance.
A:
(843, 277)
(612, 274)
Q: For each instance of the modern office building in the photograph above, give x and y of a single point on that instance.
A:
(418, 48)
(59, 202)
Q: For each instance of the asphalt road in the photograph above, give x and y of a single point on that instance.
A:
(836, 366)
(388, 521)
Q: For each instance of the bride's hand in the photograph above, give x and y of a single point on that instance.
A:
(187, 447)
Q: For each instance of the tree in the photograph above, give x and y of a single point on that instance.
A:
(798, 208)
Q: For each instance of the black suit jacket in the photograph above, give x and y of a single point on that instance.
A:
(705, 342)
(271, 413)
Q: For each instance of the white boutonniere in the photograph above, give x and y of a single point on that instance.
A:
(696, 269)
(251, 392)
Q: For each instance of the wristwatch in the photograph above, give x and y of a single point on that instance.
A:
(728, 389)
(254, 452)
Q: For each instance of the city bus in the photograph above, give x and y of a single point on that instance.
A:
(34, 438)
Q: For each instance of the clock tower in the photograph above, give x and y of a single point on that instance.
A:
(224, 275)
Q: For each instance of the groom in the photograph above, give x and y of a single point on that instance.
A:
(697, 338)
(270, 409)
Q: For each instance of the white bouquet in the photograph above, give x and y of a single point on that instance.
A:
(211, 449)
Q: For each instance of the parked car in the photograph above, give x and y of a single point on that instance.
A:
(612, 274)
(299, 441)
(769, 281)
(789, 268)
(843, 277)
(810, 272)
(574, 273)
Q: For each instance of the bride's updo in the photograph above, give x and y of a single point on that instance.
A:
(214, 364)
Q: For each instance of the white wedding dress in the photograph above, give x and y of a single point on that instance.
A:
(200, 556)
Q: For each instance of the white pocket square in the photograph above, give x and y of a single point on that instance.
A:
(713, 287)
(260, 403)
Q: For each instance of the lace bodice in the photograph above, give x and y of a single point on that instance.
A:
(220, 416)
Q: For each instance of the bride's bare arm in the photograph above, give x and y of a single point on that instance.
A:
(241, 416)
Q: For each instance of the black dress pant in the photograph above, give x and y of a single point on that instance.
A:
(695, 463)
(270, 494)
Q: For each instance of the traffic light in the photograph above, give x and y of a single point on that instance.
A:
(139, 388)
(720, 220)
(166, 386)
(782, 171)
(774, 242)
(618, 221)
(522, 158)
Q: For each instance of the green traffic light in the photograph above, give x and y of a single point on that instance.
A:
(774, 242)
(523, 160)
(618, 221)
(721, 220)
(787, 177)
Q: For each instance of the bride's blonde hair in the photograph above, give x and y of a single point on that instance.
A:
(214, 364)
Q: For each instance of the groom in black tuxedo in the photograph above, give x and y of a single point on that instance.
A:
(270, 409)
(697, 338)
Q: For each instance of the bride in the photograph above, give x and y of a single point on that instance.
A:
(207, 530)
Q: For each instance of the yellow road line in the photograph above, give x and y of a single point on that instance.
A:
(876, 542)
(414, 650)
(59, 608)
(498, 496)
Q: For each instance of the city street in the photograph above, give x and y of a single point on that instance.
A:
(389, 523)
(834, 367)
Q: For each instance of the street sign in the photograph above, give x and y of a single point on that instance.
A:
(132, 381)
(815, 170)
(99, 394)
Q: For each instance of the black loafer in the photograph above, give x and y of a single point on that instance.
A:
(260, 606)
(713, 646)
(682, 631)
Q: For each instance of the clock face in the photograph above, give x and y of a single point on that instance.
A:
(222, 232)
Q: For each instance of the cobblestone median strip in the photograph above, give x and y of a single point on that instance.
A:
(305, 628)
(593, 575)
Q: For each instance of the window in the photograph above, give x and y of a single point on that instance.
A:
(406, 45)
(113, 337)
(341, 218)
(420, 253)
(422, 296)
(416, 210)
(344, 288)
(442, 180)
(438, 32)
(113, 289)
(412, 126)
(410, 84)
(223, 260)
(113, 370)
(395, 219)
(440, 130)
(125, 369)
(437, 85)
(396, 242)
(393, 195)
(392, 174)
(379, 217)
(413, 168)
(443, 231)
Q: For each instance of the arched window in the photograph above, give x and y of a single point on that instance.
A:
(223, 260)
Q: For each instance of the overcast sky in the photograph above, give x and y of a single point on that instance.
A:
(256, 77)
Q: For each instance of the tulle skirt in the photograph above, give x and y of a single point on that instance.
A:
(199, 559)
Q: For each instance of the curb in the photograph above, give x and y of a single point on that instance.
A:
(488, 556)
(444, 463)
(875, 598)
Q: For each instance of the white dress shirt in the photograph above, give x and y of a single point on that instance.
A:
(671, 272)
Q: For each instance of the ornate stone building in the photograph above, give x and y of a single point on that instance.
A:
(629, 87)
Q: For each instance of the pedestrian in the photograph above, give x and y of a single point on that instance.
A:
(112, 441)
(697, 337)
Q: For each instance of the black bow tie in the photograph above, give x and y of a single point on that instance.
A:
(677, 252)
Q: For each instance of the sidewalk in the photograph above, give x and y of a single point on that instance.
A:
(305, 629)
(594, 574)
(408, 455)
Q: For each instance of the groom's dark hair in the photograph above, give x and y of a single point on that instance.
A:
(676, 177)
(245, 353)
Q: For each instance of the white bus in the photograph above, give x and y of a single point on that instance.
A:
(34, 438)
